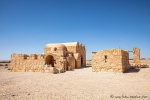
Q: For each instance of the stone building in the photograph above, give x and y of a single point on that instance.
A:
(114, 60)
(56, 58)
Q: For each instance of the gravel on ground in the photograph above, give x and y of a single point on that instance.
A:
(78, 84)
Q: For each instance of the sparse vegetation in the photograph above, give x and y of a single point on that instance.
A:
(6, 64)
(1, 64)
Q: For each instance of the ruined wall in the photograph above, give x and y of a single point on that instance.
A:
(70, 62)
(56, 49)
(77, 60)
(38, 63)
(29, 63)
(110, 60)
(71, 49)
(125, 60)
(21, 62)
(62, 57)
(76, 47)
(82, 51)
(136, 57)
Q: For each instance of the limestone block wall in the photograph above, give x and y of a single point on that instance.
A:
(17, 62)
(65, 56)
(77, 60)
(57, 58)
(70, 62)
(82, 51)
(71, 49)
(125, 60)
(21, 62)
(37, 63)
(67, 48)
(48, 50)
(109, 60)
(76, 47)
(29, 63)
(136, 57)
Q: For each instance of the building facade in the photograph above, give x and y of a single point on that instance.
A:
(114, 60)
(56, 58)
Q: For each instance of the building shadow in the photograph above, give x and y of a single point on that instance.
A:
(80, 68)
(87, 66)
(136, 70)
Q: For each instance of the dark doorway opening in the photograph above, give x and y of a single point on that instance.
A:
(49, 60)
(81, 61)
(105, 58)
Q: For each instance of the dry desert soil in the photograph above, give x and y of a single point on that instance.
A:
(78, 84)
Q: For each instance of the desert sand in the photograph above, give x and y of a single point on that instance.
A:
(78, 84)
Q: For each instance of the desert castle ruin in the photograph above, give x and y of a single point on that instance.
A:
(56, 58)
(115, 60)
(61, 57)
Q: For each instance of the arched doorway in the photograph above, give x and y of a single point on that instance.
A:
(49, 60)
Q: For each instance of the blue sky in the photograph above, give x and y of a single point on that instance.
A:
(26, 26)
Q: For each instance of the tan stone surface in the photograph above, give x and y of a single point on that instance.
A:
(136, 57)
(116, 60)
(79, 84)
(66, 55)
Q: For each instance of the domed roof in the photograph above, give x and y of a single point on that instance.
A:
(55, 47)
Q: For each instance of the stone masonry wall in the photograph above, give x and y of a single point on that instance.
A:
(56, 57)
(125, 60)
(81, 50)
(21, 62)
(70, 62)
(77, 60)
(109, 60)
(29, 63)
(136, 57)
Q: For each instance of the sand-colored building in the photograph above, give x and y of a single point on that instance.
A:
(58, 57)
(114, 60)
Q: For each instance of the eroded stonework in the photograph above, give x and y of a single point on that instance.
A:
(56, 58)
(136, 57)
(114, 60)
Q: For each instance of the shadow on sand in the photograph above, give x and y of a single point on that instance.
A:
(84, 67)
(80, 68)
(132, 70)
(136, 70)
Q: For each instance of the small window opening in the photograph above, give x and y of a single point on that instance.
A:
(105, 58)
(55, 49)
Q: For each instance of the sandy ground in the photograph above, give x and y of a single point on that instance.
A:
(79, 84)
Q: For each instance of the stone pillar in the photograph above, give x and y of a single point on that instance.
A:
(136, 57)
